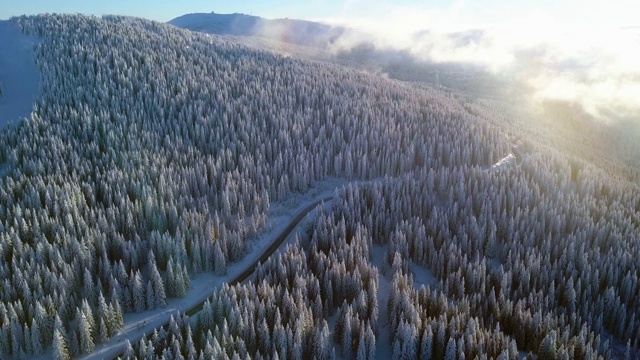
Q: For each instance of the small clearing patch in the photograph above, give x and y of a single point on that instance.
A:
(422, 276)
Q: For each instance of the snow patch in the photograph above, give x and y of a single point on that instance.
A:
(504, 162)
(19, 77)
(422, 276)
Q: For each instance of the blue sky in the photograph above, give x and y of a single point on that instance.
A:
(164, 10)
(620, 11)
(461, 13)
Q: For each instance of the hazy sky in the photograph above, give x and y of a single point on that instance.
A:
(164, 10)
(620, 12)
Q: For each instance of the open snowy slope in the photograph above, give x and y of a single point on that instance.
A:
(18, 73)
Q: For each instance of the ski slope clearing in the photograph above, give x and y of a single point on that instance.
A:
(19, 79)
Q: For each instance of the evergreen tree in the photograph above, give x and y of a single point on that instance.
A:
(361, 353)
(220, 263)
(172, 284)
(36, 339)
(426, 346)
(347, 346)
(118, 319)
(86, 339)
(264, 338)
(185, 281)
(150, 300)
(103, 332)
(371, 343)
(59, 346)
(547, 349)
(156, 283)
(142, 348)
(191, 352)
(129, 353)
(27, 349)
(396, 350)
(451, 352)
(137, 293)
(17, 337)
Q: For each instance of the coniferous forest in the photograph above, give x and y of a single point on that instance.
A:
(154, 154)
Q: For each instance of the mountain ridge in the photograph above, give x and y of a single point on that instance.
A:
(300, 32)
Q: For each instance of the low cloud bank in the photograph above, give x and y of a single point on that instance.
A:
(596, 67)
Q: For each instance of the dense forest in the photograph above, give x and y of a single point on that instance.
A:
(154, 154)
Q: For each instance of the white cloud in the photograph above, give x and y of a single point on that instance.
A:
(589, 58)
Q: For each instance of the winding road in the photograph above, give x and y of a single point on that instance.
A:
(279, 239)
(268, 251)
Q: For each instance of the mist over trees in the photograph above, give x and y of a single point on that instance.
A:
(153, 154)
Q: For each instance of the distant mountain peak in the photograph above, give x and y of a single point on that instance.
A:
(300, 32)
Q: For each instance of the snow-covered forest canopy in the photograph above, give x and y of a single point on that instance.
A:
(154, 154)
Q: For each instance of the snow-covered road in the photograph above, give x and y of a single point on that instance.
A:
(202, 285)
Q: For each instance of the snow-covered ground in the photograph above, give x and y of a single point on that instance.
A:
(299, 233)
(202, 285)
(19, 78)
(504, 162)
(422, 276)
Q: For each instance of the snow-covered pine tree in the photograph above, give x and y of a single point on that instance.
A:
(138, 292)
(451, 350)
(219, 260)
(156, 281)
(59, 346)
(85, 335)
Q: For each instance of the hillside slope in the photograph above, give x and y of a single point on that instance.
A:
(299, 32)
(154, 154)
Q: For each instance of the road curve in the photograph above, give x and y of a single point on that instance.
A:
(269, 251)
(251, 268)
